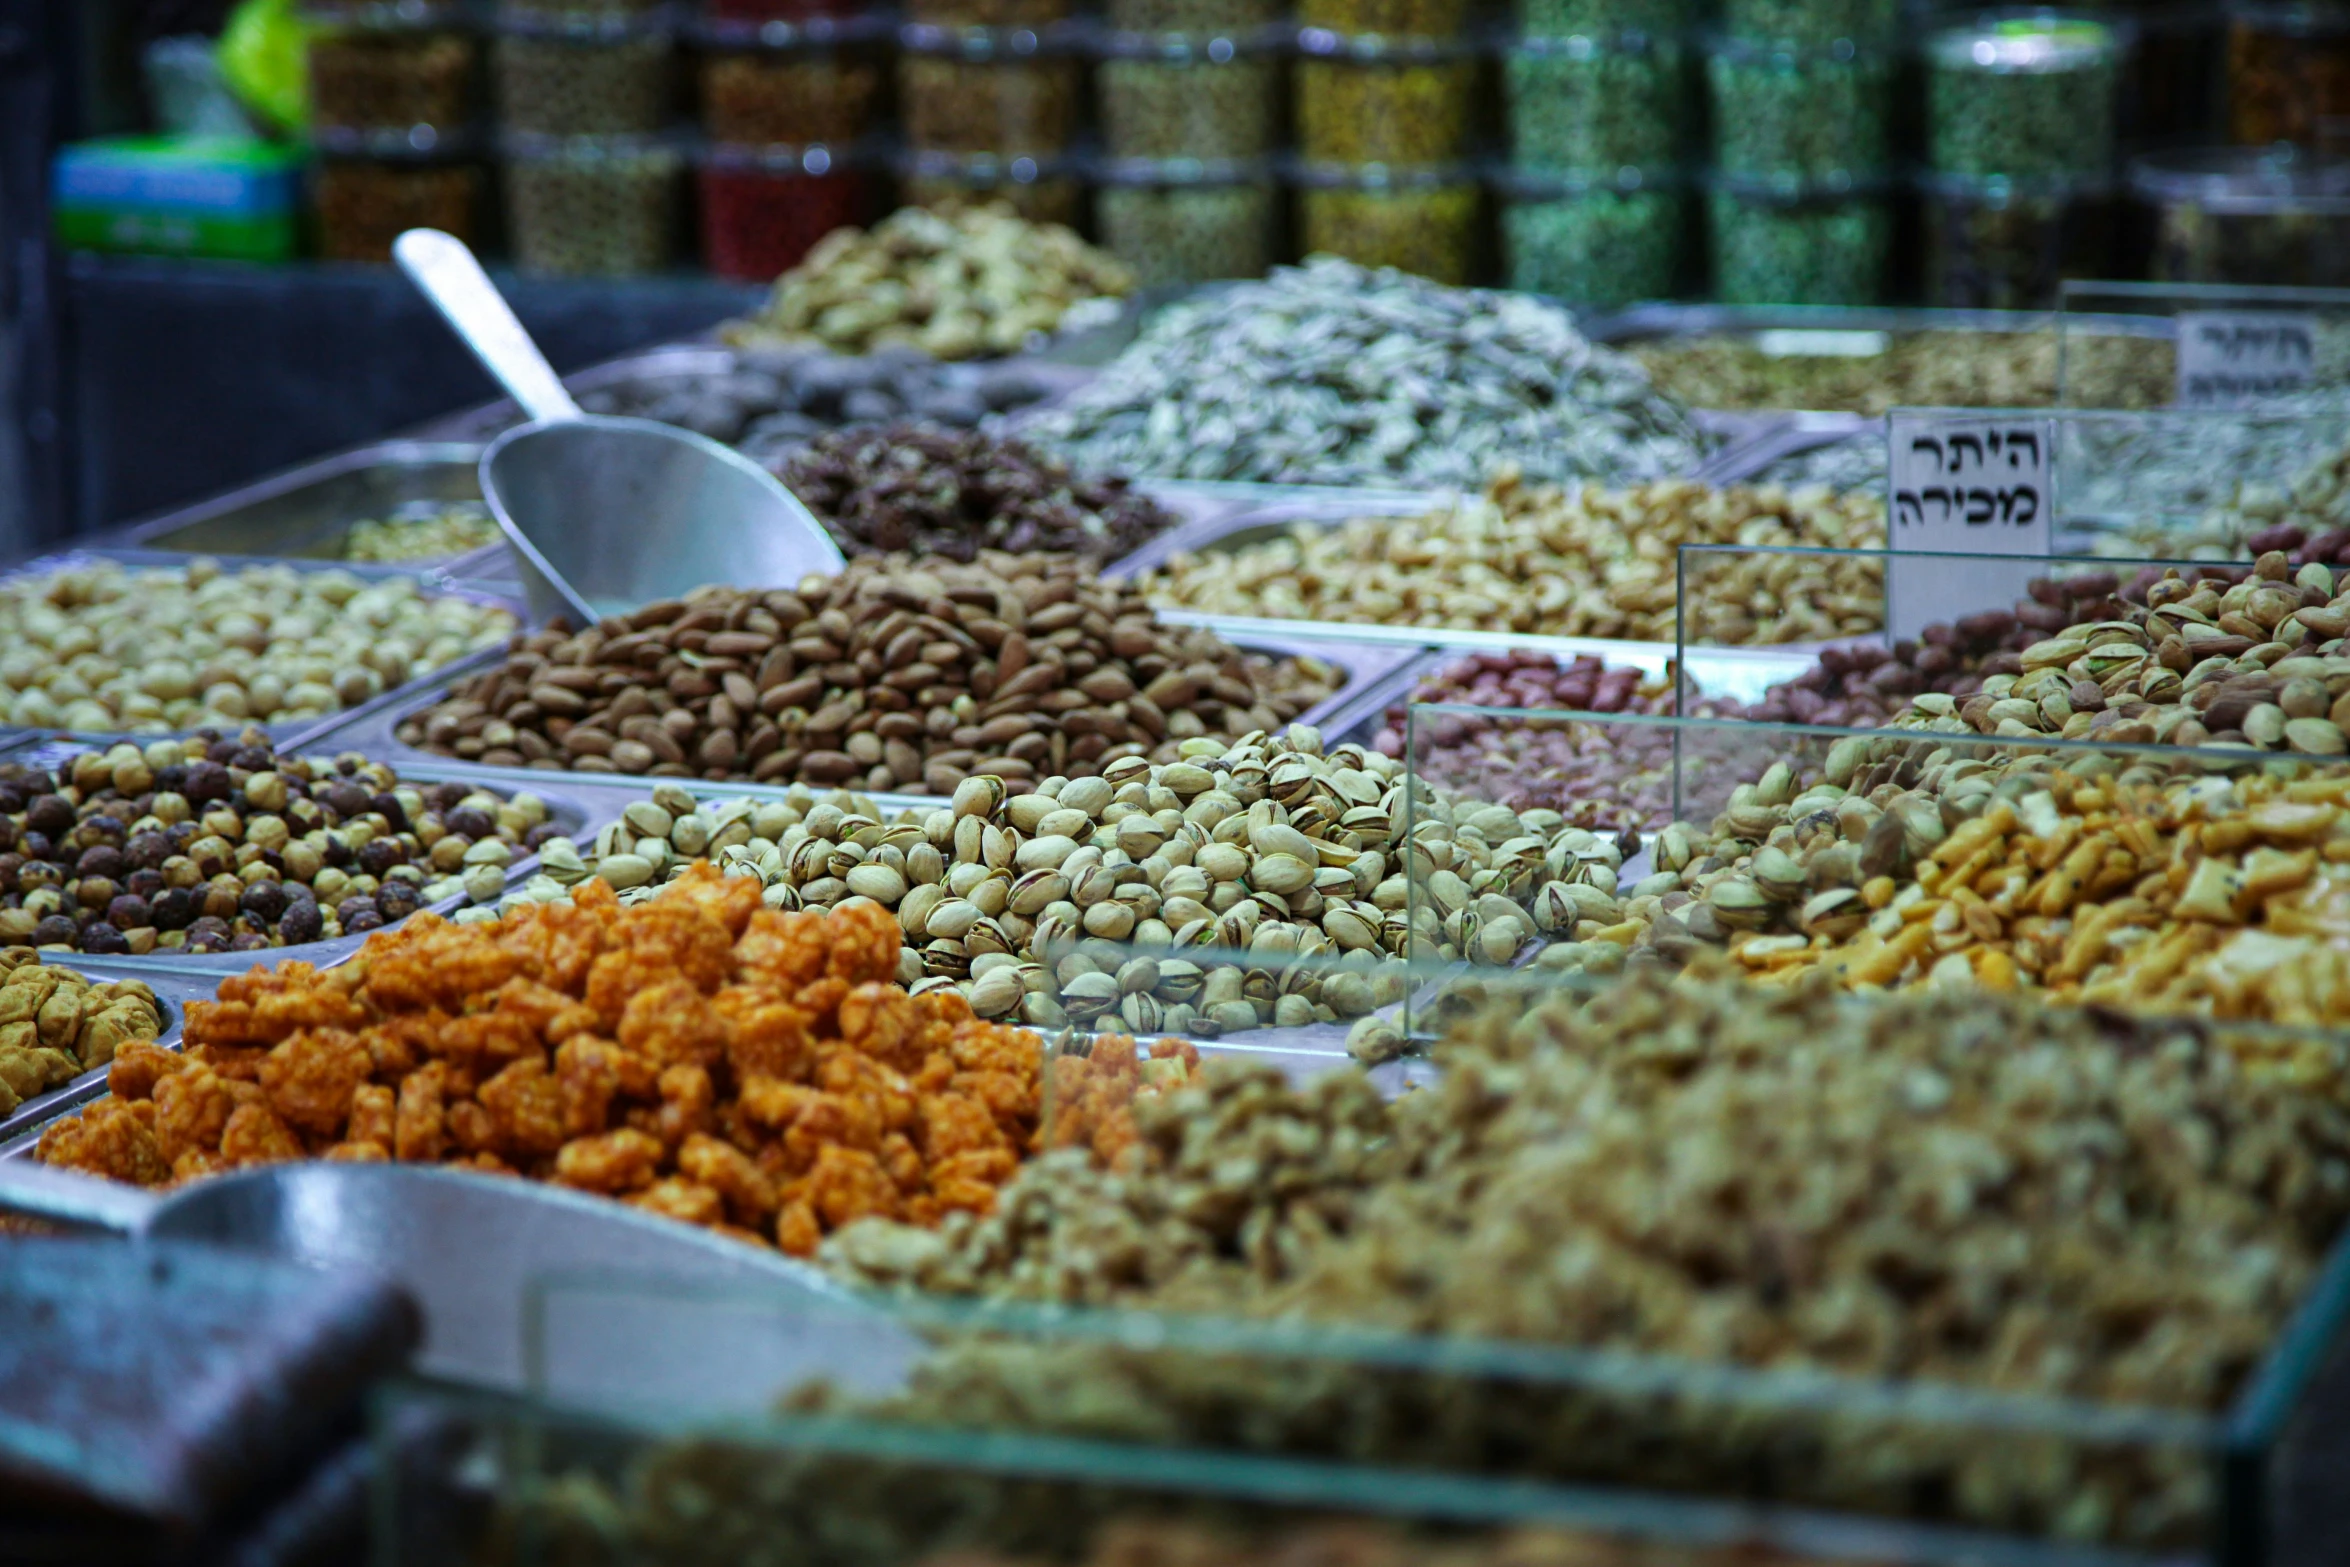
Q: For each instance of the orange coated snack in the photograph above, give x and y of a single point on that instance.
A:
(697, 1055)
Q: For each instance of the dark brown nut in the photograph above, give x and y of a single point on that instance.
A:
(953, 493)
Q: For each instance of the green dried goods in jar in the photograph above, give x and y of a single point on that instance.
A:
(584, 207)
(1587, 105)
(1597, 246)
(1210, 103)
(1800, 113)
(1188, 233)
(1863, 22)
(1601, 18)
(2029, 94)
(558, 80)
(1412, 109)
(1425, 224)
(1780, 246)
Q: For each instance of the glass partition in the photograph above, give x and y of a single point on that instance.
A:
(2227, 344)
(1844, 1264)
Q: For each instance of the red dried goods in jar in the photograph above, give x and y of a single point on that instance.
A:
(759, 218)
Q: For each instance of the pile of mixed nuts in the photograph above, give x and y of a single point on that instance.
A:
(219, 844)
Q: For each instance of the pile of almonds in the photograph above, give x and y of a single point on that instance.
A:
(219, 844)
(898, 674)
(1258, 885)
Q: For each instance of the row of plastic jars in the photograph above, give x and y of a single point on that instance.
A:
(397, 110)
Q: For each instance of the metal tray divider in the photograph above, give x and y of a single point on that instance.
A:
(20, 1128)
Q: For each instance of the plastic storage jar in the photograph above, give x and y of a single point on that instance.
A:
(1868, 24)
(1785, 244)
(363, 204)
(2248, 215)
(987, 13)
(2029, 93)
(574, 74)
(1385, 18)
(2289, 76)
(1005, 92)
(1791, 111)
(1408, 104)
(1209, 99)
(790, 14)
(396, 79)
(1997, 244)
(1596, 105)
(795, 96)
(1602, 18)
(1241, 19)
(1417, 220)
(591, 206)
(1604, 243)
(763, 207)
(1040, 190)
(1186, 222)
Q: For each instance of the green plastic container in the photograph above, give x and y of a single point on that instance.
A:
(153, 195)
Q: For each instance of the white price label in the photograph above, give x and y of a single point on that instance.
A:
(1821, 343)
(1964, 485)
(2231, 357)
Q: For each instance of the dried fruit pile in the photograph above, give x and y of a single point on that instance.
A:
(698, 1056)
(55, 1024)
(899, 673)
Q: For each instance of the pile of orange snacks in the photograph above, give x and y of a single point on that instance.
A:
(697, 1055)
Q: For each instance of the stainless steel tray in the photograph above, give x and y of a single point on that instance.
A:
(1645, 323)
(21, 1127)
(1790, 437)
(286, 732)
(673, 362)
(374, 733)
(306, 513)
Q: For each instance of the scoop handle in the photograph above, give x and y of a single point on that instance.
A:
(445, 272)
(39, 1192)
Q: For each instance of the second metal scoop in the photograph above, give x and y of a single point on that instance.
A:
(606, 515)
(471, 1251)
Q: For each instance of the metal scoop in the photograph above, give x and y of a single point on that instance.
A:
(471, 1250)
(607, 515)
